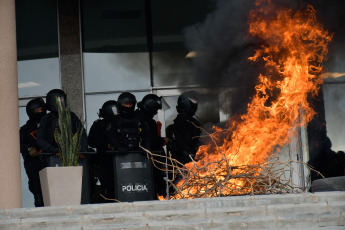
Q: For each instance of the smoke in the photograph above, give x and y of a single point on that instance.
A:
(222, 51)
(223, 47)
(332, 15)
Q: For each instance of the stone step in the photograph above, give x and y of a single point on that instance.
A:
(244, 214)
(273, 215)
(291, 211)
(235, 201)
(279, 217)
(271, 218)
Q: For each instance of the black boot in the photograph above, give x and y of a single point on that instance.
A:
(38, 200)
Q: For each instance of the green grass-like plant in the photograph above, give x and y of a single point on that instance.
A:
(69, 144)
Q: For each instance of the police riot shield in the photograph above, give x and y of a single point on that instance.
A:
(133, 177)
(55, 161)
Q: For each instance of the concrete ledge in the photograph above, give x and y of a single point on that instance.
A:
(290, 211)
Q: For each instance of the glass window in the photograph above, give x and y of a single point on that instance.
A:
(115, 49)
(334, 94)
(334, 98)
(116, 71)
(37, 46)
(37, 33)
(36, 77)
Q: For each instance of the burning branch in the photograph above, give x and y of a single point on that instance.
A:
(199, 182)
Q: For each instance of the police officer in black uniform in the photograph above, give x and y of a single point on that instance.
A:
(48, 124)
(150, 138)
(33, 163)
(133, 176)
(103, 162)
(147, 109)
(125, 130)
(185, 128)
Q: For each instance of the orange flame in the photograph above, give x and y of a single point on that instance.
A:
(293, 46)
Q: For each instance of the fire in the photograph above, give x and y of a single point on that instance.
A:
(293, 47)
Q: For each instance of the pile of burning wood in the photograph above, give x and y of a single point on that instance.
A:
(220, 178)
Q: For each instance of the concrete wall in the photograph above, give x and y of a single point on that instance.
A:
(324, 210)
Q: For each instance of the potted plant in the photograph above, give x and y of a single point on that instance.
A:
(62, 185)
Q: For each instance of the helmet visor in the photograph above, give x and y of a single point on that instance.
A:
(165, 105)
(114, 110)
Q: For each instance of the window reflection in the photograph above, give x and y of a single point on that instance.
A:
(37, 77)
(116, 71)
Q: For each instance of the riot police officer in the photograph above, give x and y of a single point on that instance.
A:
(103, 162)
(133, 177)
(48, 124)
(147, 109)
(97, 135)
(150, 138)
(125, 130)
(185, 128)
(33, 163)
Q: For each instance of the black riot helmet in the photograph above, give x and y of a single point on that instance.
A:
(150, 104)
(51, 99)
(187, 102)
(32, 106)
(109, 110)
(126, 103)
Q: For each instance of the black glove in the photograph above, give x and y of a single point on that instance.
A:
(32, 151)
(186, 157)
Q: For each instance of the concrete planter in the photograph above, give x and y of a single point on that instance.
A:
(61, 185)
